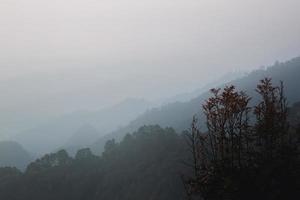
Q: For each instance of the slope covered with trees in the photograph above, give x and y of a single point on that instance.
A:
(145, 165)
(179, 114)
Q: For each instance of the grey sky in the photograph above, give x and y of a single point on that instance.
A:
(63, 55)
(143, 36)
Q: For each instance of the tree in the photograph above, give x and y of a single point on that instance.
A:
(237, 160)
(271, 118)
(227, 119)
(226, 143)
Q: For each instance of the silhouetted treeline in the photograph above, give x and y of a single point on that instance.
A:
(247, 152)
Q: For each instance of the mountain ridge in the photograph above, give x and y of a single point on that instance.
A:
(179, 114)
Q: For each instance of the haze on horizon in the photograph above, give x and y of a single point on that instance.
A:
(62, 56)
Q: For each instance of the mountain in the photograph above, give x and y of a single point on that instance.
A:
(13, 154)
(179, 114)
(83, 137)
(184, 97)
(60, 131)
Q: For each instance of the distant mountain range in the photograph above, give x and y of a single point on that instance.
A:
(13, 154)
(81, 129)
(179, 114)
(94, 128)
(82, 138)
(62, 132)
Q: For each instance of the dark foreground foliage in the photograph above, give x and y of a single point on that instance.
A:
(247, 152)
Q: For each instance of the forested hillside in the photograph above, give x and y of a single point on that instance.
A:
(179, 114)
(145, 165)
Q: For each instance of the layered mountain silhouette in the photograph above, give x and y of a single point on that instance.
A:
(63, 131)
(179, 114)
(69, 132)
(82, 138)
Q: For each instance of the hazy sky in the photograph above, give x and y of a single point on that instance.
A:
(80, 54)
